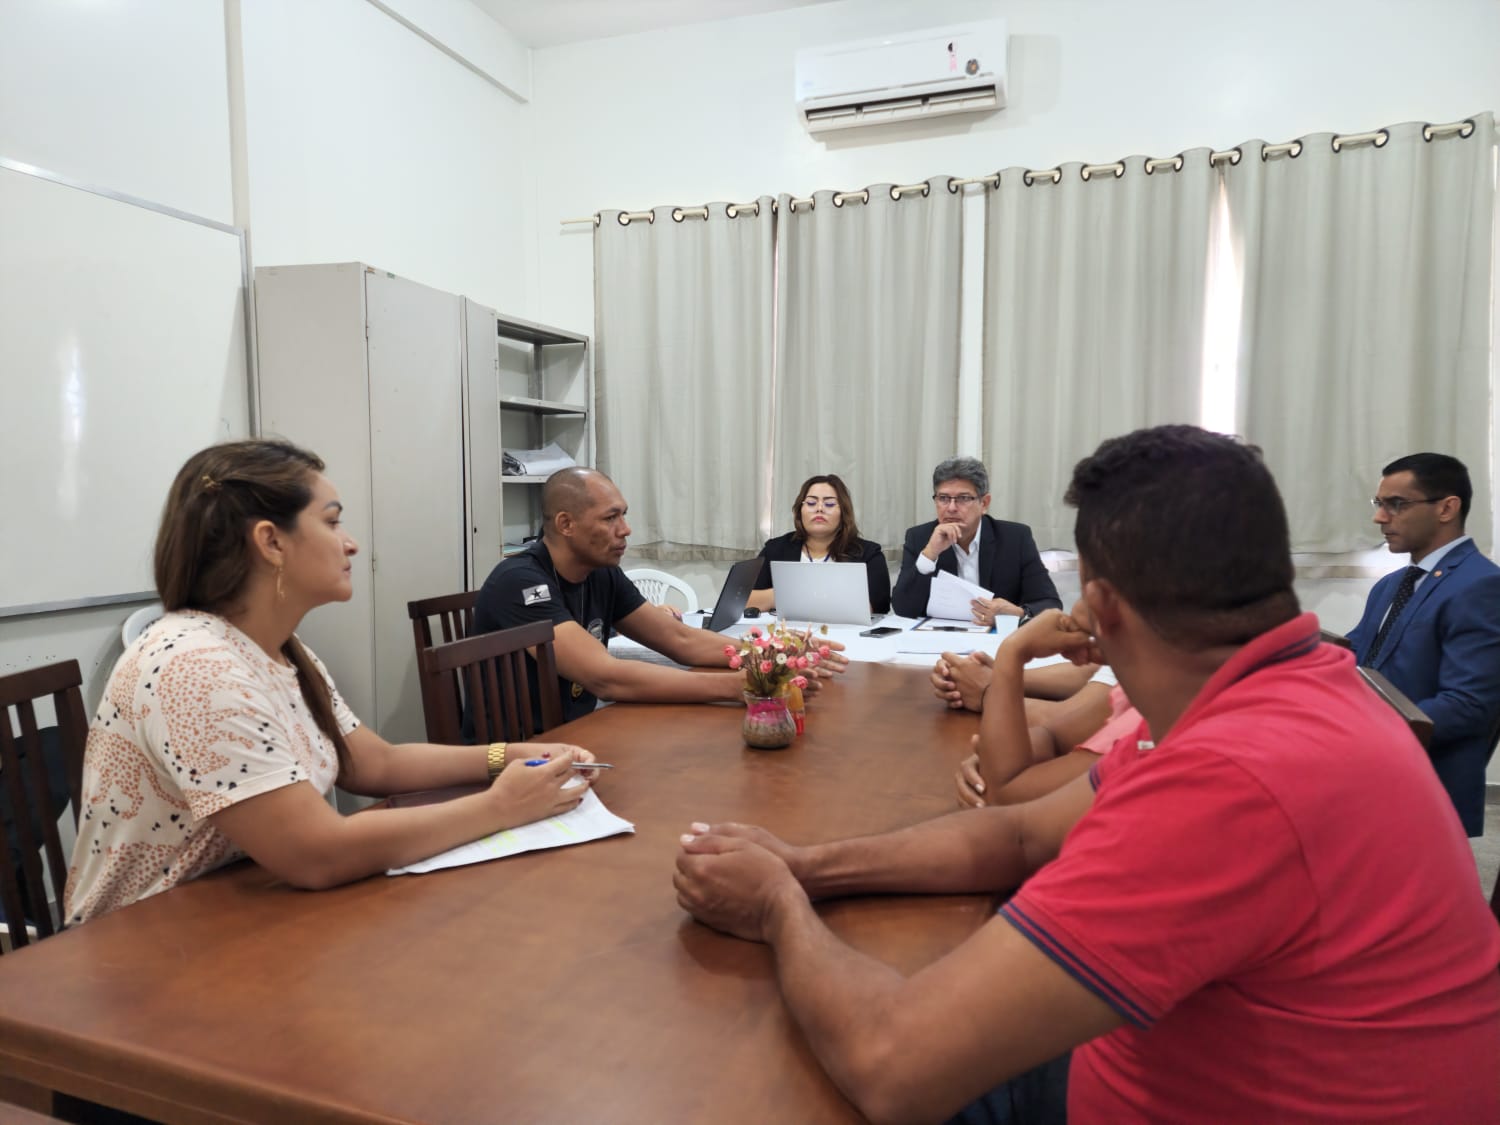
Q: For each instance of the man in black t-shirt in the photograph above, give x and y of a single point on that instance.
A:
(572, 578)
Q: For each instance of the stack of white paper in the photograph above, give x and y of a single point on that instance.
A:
(540, 462)
(950, 598)
(589, 821)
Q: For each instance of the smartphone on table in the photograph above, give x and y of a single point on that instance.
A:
(881, 631)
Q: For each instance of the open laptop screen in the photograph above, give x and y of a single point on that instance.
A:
(823, 593)
(736, 593)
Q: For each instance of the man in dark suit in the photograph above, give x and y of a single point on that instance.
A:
(1433, 629)
(1004, 559)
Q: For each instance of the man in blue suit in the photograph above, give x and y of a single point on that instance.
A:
(1433, 629)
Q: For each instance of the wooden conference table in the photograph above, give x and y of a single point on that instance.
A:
(563, 986)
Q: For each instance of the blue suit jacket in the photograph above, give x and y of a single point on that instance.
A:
(1443, 652)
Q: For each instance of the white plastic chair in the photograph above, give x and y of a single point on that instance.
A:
(655, 585)
(136, 623)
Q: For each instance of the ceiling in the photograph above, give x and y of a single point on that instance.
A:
(550, 23)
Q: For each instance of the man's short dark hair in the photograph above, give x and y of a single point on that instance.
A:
(1188, 526)
(1437, 475)
(969, 469)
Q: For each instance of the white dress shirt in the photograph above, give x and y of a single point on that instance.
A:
(968, 561)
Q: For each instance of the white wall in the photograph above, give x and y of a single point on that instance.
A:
(353, 138)
(125, 96)
(130, 97)
(367, 143)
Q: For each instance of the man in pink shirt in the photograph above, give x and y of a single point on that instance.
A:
(1266, 912)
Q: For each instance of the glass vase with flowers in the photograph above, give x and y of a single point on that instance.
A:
(776, 662)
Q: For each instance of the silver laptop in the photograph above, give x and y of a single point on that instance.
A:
(822, 593)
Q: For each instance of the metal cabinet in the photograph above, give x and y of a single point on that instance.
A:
(370, 371)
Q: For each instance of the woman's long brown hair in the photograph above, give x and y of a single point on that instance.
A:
(203, 558)
(845, 543)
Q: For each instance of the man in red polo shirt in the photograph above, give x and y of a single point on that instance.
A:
(1265, 913)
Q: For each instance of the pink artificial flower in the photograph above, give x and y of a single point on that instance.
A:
(801, 662)
(729, 650)
(799, 682)
(824, 651)
(755, 630)
(812, 658)
(766, 665)
(735, 662)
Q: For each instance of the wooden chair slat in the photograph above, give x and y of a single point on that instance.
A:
(493, 674)
(26, 888)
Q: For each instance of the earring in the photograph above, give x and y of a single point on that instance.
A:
(280, 592)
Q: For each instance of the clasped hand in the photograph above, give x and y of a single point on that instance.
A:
(731, 876)
(1055, 633)
(961, 681)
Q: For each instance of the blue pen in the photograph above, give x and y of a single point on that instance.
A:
(576, 765)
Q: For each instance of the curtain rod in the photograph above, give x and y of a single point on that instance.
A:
(1033, 176)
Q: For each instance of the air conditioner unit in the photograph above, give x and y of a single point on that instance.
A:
(905, 77)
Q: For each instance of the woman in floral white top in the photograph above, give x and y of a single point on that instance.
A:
(220, 733)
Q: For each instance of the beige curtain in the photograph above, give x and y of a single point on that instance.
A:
(867, 345)
(683, 330)
(1365, 331)
(1093, 320)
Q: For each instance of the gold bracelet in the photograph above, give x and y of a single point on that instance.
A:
(496, 758)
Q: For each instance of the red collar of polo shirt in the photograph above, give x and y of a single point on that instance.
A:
(1298, 637)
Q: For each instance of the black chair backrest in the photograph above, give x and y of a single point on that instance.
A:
(27, 804)
(455, 618)
(487, 675)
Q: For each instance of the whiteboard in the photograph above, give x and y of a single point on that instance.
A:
(122, 351)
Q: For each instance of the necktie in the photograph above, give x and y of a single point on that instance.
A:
(1403, 595)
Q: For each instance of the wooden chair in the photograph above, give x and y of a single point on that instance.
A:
(455, 618)
(1415, 717)
(488, 672)
(25, 797)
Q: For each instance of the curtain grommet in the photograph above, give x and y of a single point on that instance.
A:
(677, 214)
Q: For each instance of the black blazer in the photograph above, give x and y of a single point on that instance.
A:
(1009, 565)
(786, 548)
